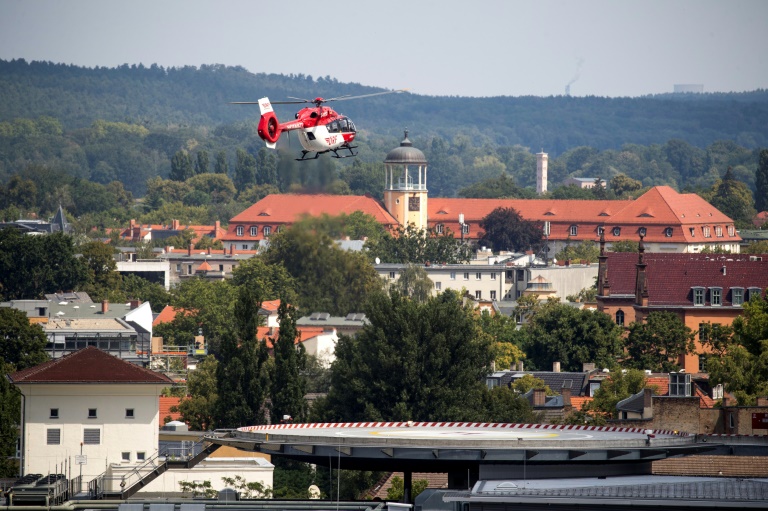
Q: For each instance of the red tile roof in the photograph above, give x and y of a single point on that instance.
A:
(670, 277)
(89, 365)
(165, 409)
(204, 267)
(660, 384)
(285, 209)
(578, 402)
(305, 333)
(168, 314)
(270, 305)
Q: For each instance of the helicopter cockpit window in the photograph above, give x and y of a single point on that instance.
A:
(343, 124)
(351, 126)
(333, 127)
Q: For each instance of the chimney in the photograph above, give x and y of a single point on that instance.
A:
(134, 304)
(762, 401)
(104, 306)
(209, 250)
(555, 367)
(232, 249)
(647, 404)
(566, 393)
(133, 223)
(175, 225)
(539, 397)
(189, 249)
(216, 226)
(167, 249)
(519, 365)
(588, 367)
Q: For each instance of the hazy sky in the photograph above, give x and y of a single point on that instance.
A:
(432, 47)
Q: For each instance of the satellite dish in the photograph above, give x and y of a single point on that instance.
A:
(378, 261)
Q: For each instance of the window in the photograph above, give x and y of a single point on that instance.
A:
(600, 231)
(642, 231)
(439, 228)
(278, 229)
(141, 456)
(126, 456)
(493, 295)
(706, 231)
(731, 230)
(91, 436)
(698, 296)
(465, 228)
(267, 231)
(719, 231)
(392, 275)
(574, 230)
(245, 246)
(189, 269)
(679, 384)
(221, 267)
(129, 413)
(617, 231)
(668, 232)
(753, 292)
(478, 295)
(92, 413)
(717, 391)
(178, 268)
(53, 436)
(620, 317)
(54, 413)
(478, 276)
(254, 230)
(716, 296)
(466, 275)
(693, 232)
(239, 230)
(737, 296)
(453, 275)
(493, 276)
(438, 286)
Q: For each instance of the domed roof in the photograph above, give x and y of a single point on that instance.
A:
(406, 153)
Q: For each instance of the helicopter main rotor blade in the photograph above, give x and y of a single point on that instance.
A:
(342, 98)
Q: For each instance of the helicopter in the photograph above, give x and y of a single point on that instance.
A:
(320, 128)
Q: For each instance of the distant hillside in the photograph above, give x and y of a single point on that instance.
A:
(156, 96)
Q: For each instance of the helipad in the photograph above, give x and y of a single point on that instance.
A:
(461, 447)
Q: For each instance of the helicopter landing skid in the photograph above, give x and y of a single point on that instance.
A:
(304, 156)
(348, 148)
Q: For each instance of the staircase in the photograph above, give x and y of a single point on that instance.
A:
(111, 487)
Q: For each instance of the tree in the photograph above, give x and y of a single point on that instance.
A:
(734, 199)
(742, 365)
(202, 163)
(245, 169)
(22, 345)
(397, 490)
(584, 251)
(761, 182)
(104, 280)
(504, 404)
(625, 246)
(622, 184)
(501, 187)
(505, 229)
(32, 266)
(658, 342)
(289, 385)
(414, 361)
(561, 333)
(198, 410)
(412, 245)
(414, 283)
(620, 385)
(181, 166)
(528, 382)
(221, 166)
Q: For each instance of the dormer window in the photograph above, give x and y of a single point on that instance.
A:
(706, 231)
(574, 230)
(254, 230)
(239, 230)
(731, 231)
(737, 296)
(267, 230)
(668, 232)
(439, 228)
(617, 231)
(600, 231)
(753, 292)
(465, 228)
(693, 232)
(698, 296)
(719, 231)
(716, 296)
(642, 231)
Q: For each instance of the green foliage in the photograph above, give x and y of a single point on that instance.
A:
(740, 362)
(181, 166)
(528, 382)
(103, 279)
(414, 361)
(622, 185)
(417, 246)
(658, 342)
(625, 246)
(734, 199)
(252, 490)
(761, 182)
(501, 187)
(585, 251)
(414, 283)
(289, 385)
(357, 225)
(503, 404)
(331, 279)
(560, 333)
(397, 490)
(138, 288)
(620, 385)
(198, 488)
(505, 229)
(199, 409)
(32, 266)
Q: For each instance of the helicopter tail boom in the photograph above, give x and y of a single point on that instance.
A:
(269, 127)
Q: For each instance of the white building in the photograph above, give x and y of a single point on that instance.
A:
(88, 407)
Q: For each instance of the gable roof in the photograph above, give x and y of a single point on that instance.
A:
(89, 365)
(670, 276)
(169, 313)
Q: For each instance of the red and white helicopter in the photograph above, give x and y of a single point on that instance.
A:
(320, 128)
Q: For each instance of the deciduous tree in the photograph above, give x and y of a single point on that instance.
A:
(658, 342)
(505, 229)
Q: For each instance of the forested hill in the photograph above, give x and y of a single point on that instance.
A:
(157, 96)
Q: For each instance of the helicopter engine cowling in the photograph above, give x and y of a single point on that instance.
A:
(269, 127)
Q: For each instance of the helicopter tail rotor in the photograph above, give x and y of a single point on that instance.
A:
(269, 126)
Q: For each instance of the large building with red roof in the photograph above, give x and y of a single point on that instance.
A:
(699, 288)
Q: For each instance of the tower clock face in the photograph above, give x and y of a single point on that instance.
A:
(414, 203)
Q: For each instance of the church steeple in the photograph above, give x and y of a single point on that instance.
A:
(405, 191)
